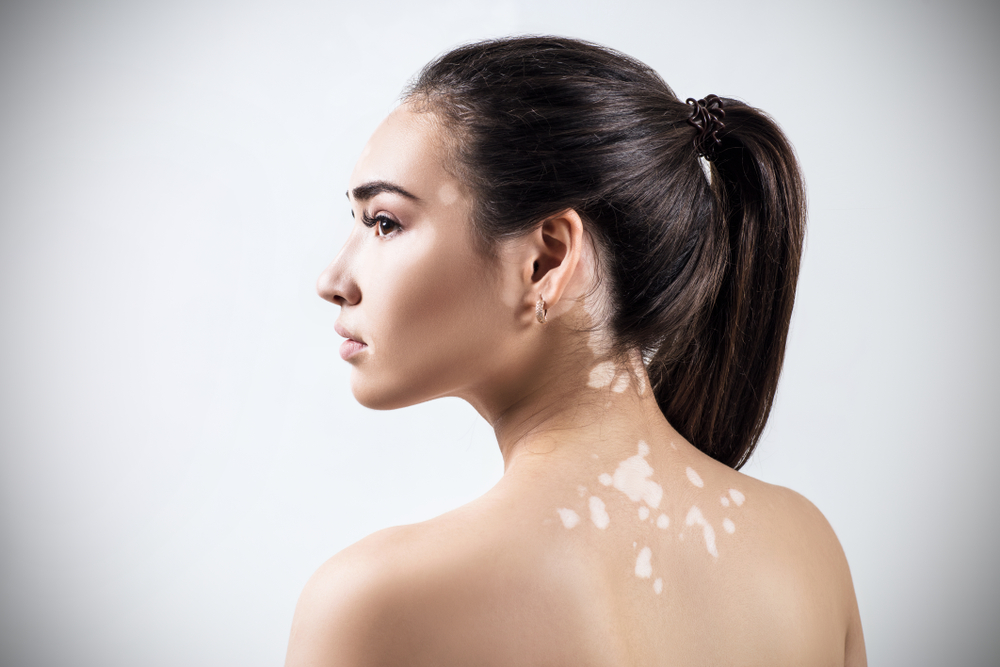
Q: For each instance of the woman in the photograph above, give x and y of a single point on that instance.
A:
(536, 233)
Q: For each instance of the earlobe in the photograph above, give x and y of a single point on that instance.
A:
(541, 312)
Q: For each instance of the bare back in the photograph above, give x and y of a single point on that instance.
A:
(660, 557)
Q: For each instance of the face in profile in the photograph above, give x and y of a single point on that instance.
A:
(418, 297)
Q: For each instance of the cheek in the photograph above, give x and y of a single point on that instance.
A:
(431, 305)
(435, 295)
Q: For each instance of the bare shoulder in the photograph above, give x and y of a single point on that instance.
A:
(808, 558)
(341, 603)
(801, 526)
(452, 590)
(801, 530)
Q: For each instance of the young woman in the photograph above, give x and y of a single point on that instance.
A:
(537, 233)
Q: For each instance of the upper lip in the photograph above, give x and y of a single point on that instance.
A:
(343, 331)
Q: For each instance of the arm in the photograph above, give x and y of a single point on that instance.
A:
(329, 626)
(854, 644)
(827, 563)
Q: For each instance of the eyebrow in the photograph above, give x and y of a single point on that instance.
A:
(369, 190)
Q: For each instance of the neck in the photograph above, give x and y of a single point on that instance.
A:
(595, 408)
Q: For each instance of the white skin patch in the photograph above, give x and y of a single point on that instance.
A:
(643, 512)
(737, 497)
(598, 514)
(639, 370)
(605, 479)
(602, 375)
(595, 340)
(595, 300)
(643, 566)
(569, 517)
(694, 478)
(582, 491)
(448, 194)
(728, 526)
(658, 586)
(606, 373)
(724, 501)
(695, 517)
(631, 479)
(662, 521)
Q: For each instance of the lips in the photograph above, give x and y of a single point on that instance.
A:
(352, 346)
(343, 331)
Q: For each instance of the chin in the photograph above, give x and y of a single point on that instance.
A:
(382, 395)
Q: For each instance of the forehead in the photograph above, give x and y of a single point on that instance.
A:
(408, 149)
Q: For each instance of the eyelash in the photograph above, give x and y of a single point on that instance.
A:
(379, 220)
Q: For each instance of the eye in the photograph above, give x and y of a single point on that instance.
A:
(384, 224)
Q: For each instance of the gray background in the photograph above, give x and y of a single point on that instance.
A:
(180, 449)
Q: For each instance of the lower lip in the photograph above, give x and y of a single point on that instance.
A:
(349, 348)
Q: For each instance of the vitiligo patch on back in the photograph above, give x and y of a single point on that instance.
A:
(695, 517)
(633, 477)
(643, 566)
(568, 516)
(598, 514)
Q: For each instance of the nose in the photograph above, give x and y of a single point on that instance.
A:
(336, 284)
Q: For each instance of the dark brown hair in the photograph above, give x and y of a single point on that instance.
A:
(701, 272)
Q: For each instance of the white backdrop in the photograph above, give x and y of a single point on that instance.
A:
(179, 448)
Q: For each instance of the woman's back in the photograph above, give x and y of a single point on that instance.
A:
(649, 554)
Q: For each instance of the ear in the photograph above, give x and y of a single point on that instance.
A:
(554, 250)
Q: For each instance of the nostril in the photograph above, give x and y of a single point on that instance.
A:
(325, 288)
(337, 286)
(336, 283)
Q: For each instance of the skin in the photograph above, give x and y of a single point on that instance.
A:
(503, 580)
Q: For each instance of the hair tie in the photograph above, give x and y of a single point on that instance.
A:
(706, 117)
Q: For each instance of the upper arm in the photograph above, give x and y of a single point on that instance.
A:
(854, 644)
(406, 598)
(826, 557)
(329, 623)
(375, 603)
(343, 607)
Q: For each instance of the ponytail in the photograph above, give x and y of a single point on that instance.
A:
(718, 391)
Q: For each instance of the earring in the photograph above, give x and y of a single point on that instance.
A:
(540, 311)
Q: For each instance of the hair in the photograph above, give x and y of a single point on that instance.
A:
(700, 271)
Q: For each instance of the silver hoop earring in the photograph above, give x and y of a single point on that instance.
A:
(540, 311)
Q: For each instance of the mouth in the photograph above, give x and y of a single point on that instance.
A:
(352, 346)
